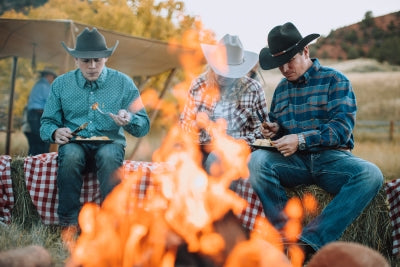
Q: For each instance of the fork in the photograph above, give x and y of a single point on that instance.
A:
(96, 107)
(102, 112)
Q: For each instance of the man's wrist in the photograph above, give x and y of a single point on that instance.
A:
(302, 141)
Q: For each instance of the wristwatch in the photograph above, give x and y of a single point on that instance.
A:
(302, 141)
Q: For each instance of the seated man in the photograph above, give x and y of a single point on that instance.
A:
(225, 92)
(312, 117)
(72, 102)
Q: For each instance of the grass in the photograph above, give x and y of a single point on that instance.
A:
(15, 236)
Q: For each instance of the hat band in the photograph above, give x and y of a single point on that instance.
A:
(236, 63)
(285, 51)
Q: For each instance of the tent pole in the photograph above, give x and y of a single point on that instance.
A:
(11, 106)
(155, 112)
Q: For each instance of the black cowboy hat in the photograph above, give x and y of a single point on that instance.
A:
(90, 44)
(284, 41)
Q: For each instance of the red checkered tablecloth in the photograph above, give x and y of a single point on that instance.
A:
(41, 173)
(6, 190)
(392, 189)
(254, 208)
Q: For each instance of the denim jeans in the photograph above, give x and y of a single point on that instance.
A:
(36, 144)
(354, 182)
(212, 158)
(76, 159)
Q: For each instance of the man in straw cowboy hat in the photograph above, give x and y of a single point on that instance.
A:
(72, 102)
(225, 92)
(34, 109)
(312, 116)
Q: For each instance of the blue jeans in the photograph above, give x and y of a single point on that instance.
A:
(209, 160)
(76, 159)
(354, 182)
(36, 144)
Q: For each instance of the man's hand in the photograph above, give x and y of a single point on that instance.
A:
(61, 136)
(287, 145)
(122, 118)
(269, 129)
(202, 120)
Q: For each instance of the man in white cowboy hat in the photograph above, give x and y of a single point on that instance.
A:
(72, 102)
(312, 116)
(34, 109)
(225, 92)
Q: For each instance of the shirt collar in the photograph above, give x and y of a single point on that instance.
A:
(310, 72)
(82, 82)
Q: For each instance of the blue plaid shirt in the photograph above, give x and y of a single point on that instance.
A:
(321, 104)
(71, 97)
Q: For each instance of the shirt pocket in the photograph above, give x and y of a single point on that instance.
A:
(316, 106)
(281, 108)
(238, 120)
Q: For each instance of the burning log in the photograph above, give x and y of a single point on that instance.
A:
(239, 249)
(30, 256)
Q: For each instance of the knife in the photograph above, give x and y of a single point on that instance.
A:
(260, 116)
(80, 128)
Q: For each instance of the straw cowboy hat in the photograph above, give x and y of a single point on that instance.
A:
(284, 41)
(228, 58)
(90, 44)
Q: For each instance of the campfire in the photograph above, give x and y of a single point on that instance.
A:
(185, 206)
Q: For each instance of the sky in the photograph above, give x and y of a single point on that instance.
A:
(251, 20)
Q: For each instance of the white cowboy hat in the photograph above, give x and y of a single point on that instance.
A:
(228, 58)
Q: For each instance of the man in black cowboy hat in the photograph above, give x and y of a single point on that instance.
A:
(312, 116)
(34, 109)
(73, 101)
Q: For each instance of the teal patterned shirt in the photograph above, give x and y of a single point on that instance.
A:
(72, 96)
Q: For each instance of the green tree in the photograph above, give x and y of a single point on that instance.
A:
(368, 20)
(351, 36)
(384, 51)
(19, 5)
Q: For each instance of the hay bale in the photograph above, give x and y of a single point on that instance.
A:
(372, 228)
(24, 211)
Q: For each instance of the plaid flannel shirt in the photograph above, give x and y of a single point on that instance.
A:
(321, 104)
(239, 109)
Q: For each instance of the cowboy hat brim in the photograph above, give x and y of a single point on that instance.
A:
(250, 59)
(90, 54)
(268, 61)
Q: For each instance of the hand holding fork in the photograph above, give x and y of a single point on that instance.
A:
(121, 119)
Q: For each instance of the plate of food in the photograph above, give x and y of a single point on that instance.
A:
(263, 144)
(92, 140)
